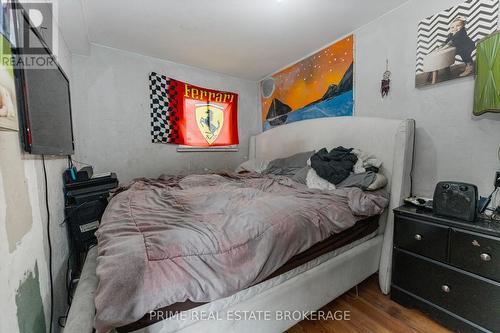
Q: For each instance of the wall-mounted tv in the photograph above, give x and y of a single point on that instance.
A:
(45, 104)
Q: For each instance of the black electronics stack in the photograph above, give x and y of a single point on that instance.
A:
(86, 197)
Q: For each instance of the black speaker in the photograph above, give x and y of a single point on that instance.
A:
(83, 221)
(454, 199)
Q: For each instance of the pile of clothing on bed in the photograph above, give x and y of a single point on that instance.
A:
(326, 170)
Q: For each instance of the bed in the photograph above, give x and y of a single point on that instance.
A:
(311, 283)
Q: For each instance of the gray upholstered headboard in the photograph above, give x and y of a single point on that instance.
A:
(390, 140)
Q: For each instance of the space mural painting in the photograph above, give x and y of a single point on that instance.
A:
(188, 115)
(319, 86)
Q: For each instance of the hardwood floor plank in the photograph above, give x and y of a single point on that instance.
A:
(383, 322)
(340, 327)
(370, 312)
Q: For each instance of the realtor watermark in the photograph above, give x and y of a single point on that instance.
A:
(29, 35)
(257, 315)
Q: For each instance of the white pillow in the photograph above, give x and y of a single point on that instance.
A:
(365, 160)
(316, 182)
(253, 165)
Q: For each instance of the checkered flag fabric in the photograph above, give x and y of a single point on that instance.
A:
(184, 114)
(164, 109)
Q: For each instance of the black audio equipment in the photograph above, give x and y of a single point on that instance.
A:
(85, 198)
(83, 221)
(92, 189)
(455, 199)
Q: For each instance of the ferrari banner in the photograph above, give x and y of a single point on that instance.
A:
(189, 115)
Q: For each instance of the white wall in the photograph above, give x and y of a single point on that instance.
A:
(18, 259)
(451, 143)
(111, 115)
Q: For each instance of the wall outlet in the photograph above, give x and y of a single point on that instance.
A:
(497, 179)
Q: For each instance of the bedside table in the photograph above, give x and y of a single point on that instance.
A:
(447, 268)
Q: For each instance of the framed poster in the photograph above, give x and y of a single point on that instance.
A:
(318, 86)
(446, 41)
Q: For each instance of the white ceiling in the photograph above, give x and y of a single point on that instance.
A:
(246, 38)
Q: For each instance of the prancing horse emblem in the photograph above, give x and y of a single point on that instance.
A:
(210, 119)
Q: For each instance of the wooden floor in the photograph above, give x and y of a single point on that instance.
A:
(370, 312)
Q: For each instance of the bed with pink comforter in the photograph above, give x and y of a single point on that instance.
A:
(205, 237)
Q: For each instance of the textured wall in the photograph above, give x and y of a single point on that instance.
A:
(112, 116)
(24, 291)
(451, 143)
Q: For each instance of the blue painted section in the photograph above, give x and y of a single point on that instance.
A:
(338, 106)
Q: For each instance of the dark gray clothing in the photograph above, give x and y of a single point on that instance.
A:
(334, 166)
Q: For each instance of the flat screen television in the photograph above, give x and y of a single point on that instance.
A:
(46, 105)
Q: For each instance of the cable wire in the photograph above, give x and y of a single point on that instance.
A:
(49, 243)
(78, 162)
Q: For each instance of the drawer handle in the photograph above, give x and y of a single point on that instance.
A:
(445, 288)
(485, 257)
(418, 237)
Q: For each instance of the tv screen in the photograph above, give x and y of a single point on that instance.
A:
(47, 107)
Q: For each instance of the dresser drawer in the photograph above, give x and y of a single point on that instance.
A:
(468, 296)
(476, 254)
(427, 239)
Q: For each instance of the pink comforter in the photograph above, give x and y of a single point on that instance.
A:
(204, 237)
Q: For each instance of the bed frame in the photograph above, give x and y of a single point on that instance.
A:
(390, 140)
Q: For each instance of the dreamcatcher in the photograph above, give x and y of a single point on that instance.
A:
(386, 80)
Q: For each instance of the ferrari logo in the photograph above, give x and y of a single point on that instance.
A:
(210, 118)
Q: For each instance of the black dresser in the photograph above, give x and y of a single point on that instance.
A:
(447, 268)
